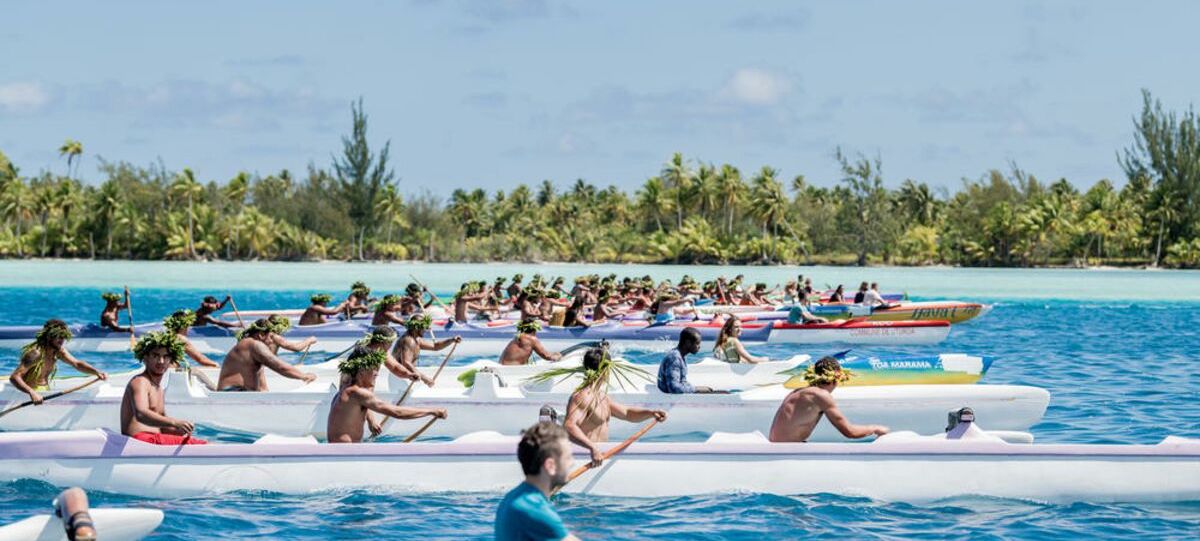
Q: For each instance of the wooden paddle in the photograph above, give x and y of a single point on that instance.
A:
(418, 433)
(404, 396)
(608, 454)
(236, 313)
(304, 355)
(50, 396)
(129, 312)
(435, 297)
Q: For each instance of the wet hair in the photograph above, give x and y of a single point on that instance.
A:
(593, 358)
(539, 442)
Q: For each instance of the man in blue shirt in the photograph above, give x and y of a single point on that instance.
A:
(525, 513)
(672, 372)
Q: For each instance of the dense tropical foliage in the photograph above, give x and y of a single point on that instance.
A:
(690, 211)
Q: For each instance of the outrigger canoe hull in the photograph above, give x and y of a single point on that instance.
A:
(506, 406)
(924, 470)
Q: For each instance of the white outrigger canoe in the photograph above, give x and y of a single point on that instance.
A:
(941, 369)
(893, 468)
(507, 406)
(114, 524)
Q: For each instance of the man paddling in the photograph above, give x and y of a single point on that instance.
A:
(243, 367)
(522, 347)
(110, 317)
(380, 338)
(385, 311)
(356, 303)
(800, 412)
(143, 411)
(280, 326)
(525, 512)
(316, 312)
(208, 306)
(178, 323)
(672, 371)
(348, 411)
(39, 360)
(409, 347)
(590, 408)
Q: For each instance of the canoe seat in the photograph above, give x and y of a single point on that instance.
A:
(737, 437)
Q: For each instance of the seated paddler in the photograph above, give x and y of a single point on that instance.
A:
(356, 396)
(802, 409)
(590, 407)
(244, 365)
(143, 410)
(39, 360)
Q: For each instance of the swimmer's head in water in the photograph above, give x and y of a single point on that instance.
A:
(179, 319)
(279, 324)
(826, 371)
(160, 339)
(361, 359)
(321, 298)
(529, 326)
(109, 296)
(419, 323)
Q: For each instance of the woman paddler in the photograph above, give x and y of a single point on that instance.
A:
(143, 410)
(356, 396)
(729, 348)
(39, 360)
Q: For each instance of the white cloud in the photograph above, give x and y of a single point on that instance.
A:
(23, 97)
(753, 86)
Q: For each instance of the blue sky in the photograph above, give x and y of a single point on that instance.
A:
(493, 93)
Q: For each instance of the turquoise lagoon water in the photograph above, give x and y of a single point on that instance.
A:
(1117, 349)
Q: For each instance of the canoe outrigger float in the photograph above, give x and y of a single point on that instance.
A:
(112, 524)
(489, 338)
(508, 406)
(898, 467)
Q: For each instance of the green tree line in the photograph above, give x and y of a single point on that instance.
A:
(690, 211)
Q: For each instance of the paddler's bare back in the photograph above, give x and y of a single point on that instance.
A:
(799, 414)
(347, 415)
(518, 351)
(243, 366)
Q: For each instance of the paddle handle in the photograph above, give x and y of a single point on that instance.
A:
(50, 396)
(404, 396)
(431, 294)
(304, 355)
(236, 313)
(610, 453)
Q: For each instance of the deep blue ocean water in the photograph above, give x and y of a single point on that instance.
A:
(1118, 372)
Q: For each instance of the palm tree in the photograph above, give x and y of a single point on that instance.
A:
(767, 201)
(108, 200)
(72, 149)
(707, 190)
(185, 186)
(652, 200)
(732, 190)
(17, 206)
(679, 179)
(390, 207)
(918, 202)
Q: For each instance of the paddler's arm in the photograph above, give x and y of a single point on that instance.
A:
(576, 412)
(18, 379)
(195, 355)
(543, 353)
(269, 360)
(293, 346)
(376, 405)
(400, 370)
(746, 356)
(80, 365)
(430, 345)
(326, 311)
(147, 416)
(634, 414)
(843, 425)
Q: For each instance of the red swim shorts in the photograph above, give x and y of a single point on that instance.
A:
(167, 439)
